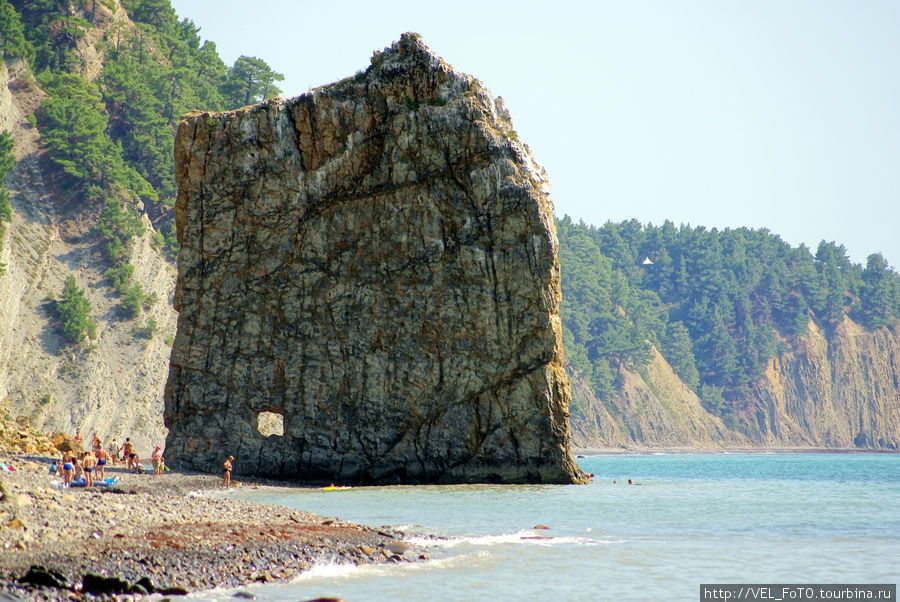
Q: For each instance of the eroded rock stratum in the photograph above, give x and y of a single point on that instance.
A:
(375, 263)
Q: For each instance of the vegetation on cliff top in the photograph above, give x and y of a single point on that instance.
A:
(717, 304)
(112, 137)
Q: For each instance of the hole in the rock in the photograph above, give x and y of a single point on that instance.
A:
(270, 423)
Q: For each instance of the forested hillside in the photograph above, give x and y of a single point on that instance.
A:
(718, 305)
(91, 94)
(112, 134)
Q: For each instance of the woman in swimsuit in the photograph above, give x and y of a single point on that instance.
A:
(68, 470)
(156, 459)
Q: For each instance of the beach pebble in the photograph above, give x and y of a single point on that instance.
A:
(175, 529)
(397, 547)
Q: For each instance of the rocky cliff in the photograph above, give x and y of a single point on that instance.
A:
(373, 264)
(838, 389)
(653, 409)
(114, 385)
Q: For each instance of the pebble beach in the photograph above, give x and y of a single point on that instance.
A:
(167, 534)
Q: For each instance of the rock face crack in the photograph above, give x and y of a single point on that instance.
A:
(376, 261)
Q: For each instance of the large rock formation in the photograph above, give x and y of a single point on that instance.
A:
(373, 264)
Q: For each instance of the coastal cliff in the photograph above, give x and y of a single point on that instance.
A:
(840, 390)
(653, 409)
(372, 267)
(114, 385)
(835, 389)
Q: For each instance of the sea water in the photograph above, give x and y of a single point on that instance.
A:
(689, 519)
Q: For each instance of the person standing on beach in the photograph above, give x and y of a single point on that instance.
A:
(102, 457)
(68, 470)
(114, 451)
(156, 459)
(226, 477)
(88, 461)
(128, 453)
(78, 443)
(95, 443)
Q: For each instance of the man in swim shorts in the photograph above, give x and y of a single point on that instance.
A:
(226, 477)
(130, 456)
(102, 457)
(78, 443)
(88, 461)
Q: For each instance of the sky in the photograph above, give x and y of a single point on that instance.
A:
(771, 114)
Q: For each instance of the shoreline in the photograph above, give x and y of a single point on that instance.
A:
(168, 535)
(149, 534)
(645, 451)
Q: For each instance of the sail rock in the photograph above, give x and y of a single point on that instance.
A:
(373, 263)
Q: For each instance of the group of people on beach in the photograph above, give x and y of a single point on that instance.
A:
(77, 464)
(80, 464)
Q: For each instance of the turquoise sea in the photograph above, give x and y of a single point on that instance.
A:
(694, 518)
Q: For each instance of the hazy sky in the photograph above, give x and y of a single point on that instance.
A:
(766, 113)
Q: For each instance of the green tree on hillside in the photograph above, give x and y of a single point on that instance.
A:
(250, 80)
(195, 76)
(53, 32)
(159, 14)
(677, 348)
(12, 35)
(73, 128)
(143, 117)
(609, 324)
(717, 304)
(75, 312)
(879, 295)
(7, 162)
(136, 120)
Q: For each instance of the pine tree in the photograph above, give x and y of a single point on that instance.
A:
(677, 348)
(250, 80)
(879, 293)
(12, 35)
(75, 312)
